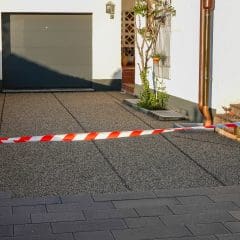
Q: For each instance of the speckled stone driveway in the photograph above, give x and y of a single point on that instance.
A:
(175, 160)
(39, 182)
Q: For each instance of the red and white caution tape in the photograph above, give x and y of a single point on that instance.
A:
(74, 137)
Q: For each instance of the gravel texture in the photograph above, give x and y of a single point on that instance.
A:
(139, 164)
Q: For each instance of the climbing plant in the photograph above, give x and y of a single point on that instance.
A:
(151, 15)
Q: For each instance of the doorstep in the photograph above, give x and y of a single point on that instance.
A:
(163, 115)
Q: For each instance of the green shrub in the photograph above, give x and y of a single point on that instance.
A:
(150, 100)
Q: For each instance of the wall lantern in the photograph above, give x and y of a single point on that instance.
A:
(110, 9)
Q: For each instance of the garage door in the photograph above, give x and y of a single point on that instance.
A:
(42, 51)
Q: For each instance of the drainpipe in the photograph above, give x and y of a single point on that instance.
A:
(205, 71)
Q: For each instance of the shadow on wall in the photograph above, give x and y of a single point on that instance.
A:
(30, 75)
(187, 108)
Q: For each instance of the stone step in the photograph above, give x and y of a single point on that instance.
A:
(235, 108)
(233, 133)
(224, 118)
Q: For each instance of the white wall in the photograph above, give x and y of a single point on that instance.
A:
(106, 32)
(185, 52)
(226, 51)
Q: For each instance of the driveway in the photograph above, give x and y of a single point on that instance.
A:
(190, 159)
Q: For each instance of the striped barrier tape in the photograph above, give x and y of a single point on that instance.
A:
(74, 137)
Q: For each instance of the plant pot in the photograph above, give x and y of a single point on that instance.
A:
(156, 60)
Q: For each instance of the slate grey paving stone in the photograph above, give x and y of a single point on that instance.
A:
(207, 217)
(150, 233)
(64, 236)
(32, 229)
(228, 236)
(112, 213)
(234, 227)
(5, 211)
(194, 200)
(84, 199)
(215, 216)
(57, 217)
(144, 203)
(29, 201)
(223, 162)
(191, 238)
(14, 219)
(26, 210)
(6, 230)
(179, 219)
(65, 207)
(99, 235)
(88, 226)
(123, 196)
(74, 167)
(235, 214)
(154, 211)
(4, 195)
(207, 229)
(198, 208)
(143, 222)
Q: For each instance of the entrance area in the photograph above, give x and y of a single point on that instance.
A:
(128, 46)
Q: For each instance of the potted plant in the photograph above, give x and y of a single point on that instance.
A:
(156, 58)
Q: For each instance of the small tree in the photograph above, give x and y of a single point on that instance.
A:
(150, 16)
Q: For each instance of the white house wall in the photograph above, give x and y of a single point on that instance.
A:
(226, 64)
(106, 32)
(185, 52)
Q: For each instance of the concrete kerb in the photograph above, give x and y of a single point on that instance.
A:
(163, 115)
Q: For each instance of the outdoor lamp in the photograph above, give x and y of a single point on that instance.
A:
(110, 9)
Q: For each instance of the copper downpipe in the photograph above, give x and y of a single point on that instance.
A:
(205, 71)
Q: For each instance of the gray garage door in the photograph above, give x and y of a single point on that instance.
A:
(42, 51)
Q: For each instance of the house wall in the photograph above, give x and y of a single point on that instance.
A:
(184, 73)
(106, 32)
(226, 50)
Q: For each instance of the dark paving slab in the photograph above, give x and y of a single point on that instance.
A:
(98, 112)
(165, 166)
(152, 163)
(175, 220)
(50, 168)
(222, 160)
(56, 168)
(139, 164)
(35, 114)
